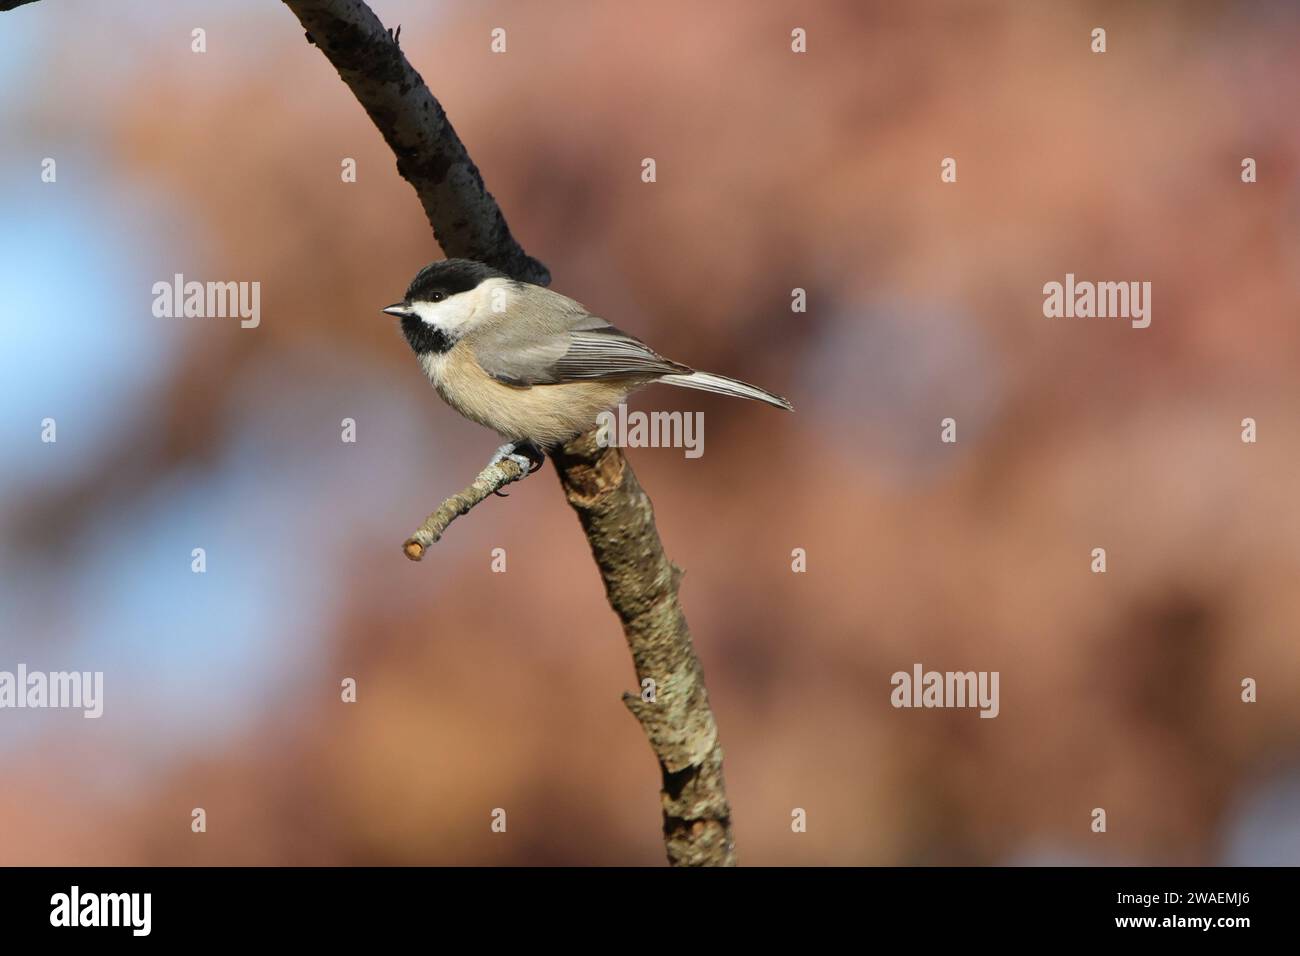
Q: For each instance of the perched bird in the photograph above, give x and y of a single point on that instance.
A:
(532, 365)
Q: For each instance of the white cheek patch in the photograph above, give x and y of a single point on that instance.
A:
(451, 314)
(461, 312)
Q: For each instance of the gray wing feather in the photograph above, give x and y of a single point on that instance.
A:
(609, 353)
(557, 340)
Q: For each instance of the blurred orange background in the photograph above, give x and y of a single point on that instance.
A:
(775, 171)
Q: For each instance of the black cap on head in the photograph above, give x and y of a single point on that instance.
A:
(449, 277)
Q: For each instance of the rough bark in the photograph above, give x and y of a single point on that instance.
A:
(641, 585)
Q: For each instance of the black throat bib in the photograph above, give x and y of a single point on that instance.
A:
(424, 337)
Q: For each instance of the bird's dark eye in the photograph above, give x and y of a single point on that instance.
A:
(438, 296)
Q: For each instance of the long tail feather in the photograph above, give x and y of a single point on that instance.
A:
(708, 382)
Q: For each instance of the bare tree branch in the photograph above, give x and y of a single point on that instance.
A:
(465, 218)
(489, 481)
(641, 584)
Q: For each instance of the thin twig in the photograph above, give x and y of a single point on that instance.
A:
(489, 481)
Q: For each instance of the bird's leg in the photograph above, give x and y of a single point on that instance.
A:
(523, 453)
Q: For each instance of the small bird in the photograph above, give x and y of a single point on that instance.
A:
(532, 365)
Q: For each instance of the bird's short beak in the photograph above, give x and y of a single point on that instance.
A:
(400, 309)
